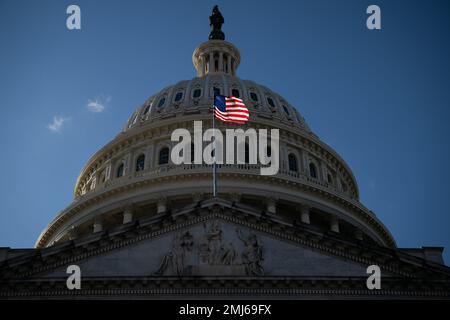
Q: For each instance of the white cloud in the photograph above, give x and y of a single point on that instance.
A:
(57, 124)
(98, 105)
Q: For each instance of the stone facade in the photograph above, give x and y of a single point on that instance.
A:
(141, 227)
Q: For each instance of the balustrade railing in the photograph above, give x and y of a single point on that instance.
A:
(251, 169)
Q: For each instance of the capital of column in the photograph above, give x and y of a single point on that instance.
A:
(304, 213)
(334, 224)
(161, 205)
(271, 205)
(128, 214)
(98, 226)
(72, 233)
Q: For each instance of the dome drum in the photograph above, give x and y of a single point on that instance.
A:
(135, 168)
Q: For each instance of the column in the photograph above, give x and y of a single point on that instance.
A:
(271, 205)
(203, 66)
(305, 163)
(334, 224)
(162, 205)
(98, 226)
(108, 170)
(211, 62)
(304, 214)
(128, 215)
(323, 170)
(221, 61)
(284, 156)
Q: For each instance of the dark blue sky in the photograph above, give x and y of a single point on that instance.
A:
(379, 98)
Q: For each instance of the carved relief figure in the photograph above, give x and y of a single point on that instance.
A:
(211, 250)
(229, 256)
(252, 256)
(175, 258)
(215, 255)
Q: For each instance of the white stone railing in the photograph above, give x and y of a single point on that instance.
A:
(248, 169)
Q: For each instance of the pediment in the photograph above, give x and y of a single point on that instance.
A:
(215, 248)
(215, 240)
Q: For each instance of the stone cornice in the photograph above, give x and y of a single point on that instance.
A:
(159, 288)
(93, 198)
(390, 260)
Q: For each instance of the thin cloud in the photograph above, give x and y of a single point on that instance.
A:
(57, 125)
(98, 105)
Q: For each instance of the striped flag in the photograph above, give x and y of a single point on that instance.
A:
(230, 109)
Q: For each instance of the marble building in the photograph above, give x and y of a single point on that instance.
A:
(140, 226)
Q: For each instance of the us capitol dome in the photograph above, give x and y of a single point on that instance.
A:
(132, 177)
(138, 222)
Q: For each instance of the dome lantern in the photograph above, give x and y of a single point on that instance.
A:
(216, 55)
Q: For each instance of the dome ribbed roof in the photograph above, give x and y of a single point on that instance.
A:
(196, 96)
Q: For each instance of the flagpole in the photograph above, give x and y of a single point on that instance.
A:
(214, 158)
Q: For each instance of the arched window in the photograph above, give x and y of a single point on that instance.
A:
(178, 96)
(216, 91)
(147, 108)
(161, 102)
(254, 96)
(286, 110)
(197, 93)
(140, 162)
(292, 160)
(235, 93)
(312, 170)
(270, 102)
(247, 154)
(119, 172)
(164, 156)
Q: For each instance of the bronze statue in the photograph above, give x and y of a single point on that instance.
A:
(215, 21)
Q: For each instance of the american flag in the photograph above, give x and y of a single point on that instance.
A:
(230, 109)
